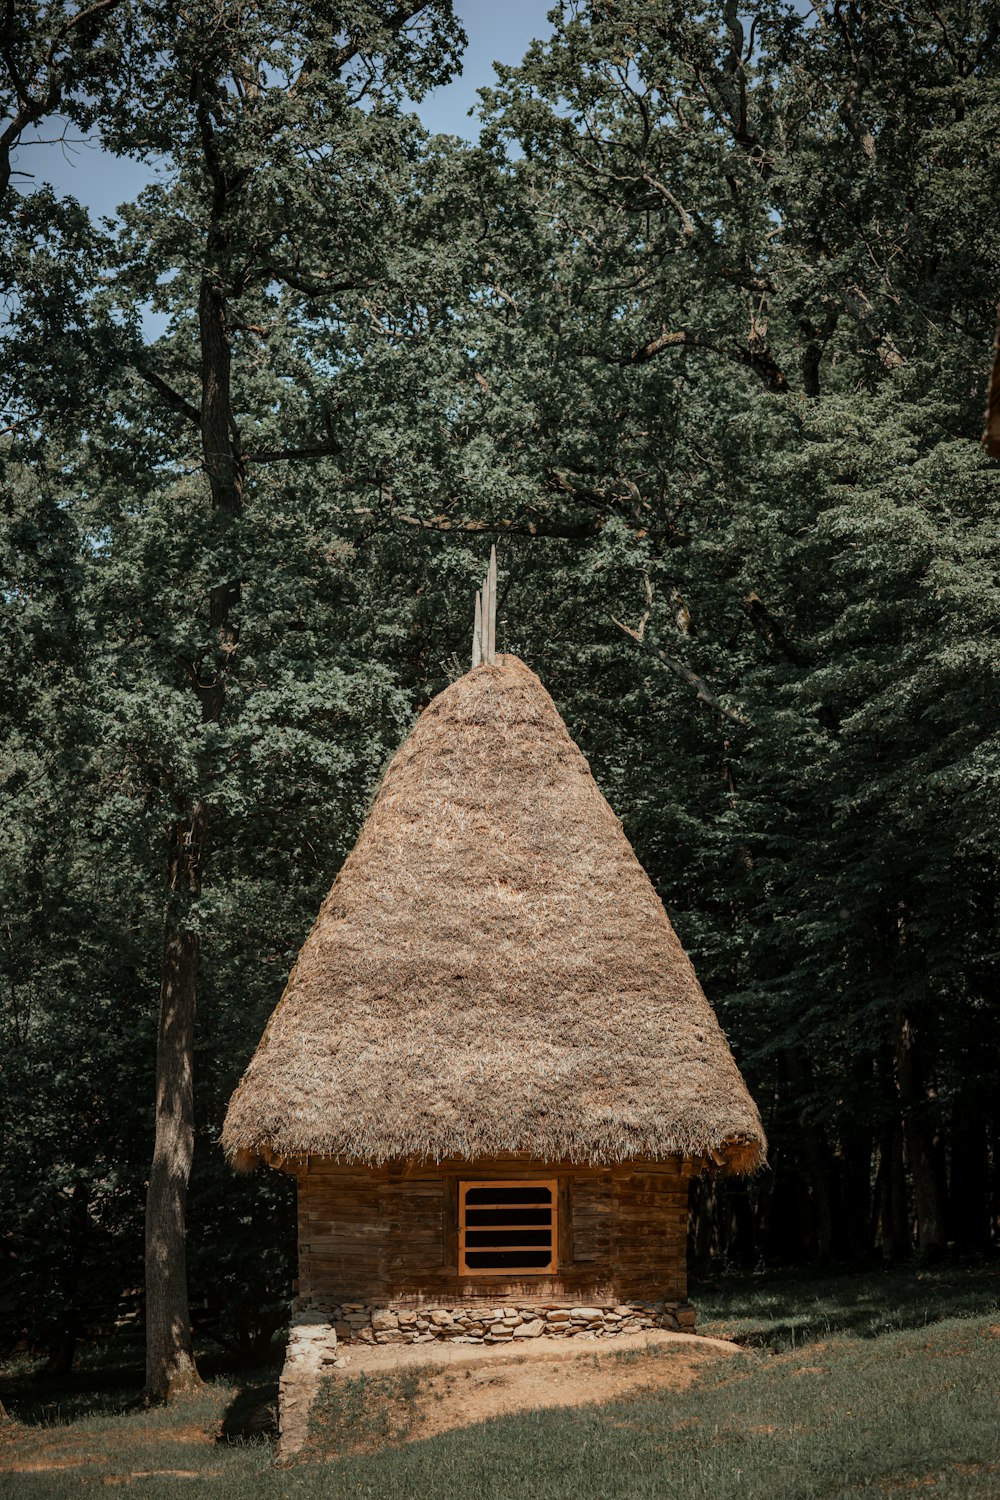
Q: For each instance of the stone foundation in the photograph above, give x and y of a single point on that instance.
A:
(486, 1323)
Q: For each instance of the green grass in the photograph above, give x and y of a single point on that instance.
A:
(780, 1312)
(860, 1412)
(364, 1412)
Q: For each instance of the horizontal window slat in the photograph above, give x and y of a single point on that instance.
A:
(535, 1208)
(503, 1249)
(521, 1261)
(480, 1197)
(533, 1233)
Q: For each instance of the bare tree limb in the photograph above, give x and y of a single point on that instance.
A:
(31, 107)
(701, 691)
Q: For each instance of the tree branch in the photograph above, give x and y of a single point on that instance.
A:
(282, 455)
(701, 691)
(171, 397)
(683, 338)
(350, 49)
(312, 288)
(756, 356)
(564, 483)
(688, 221)
(580, 532)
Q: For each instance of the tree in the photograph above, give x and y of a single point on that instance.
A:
(276, 127)
(751, 297)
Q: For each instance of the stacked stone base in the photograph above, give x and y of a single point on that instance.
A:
(479, 1323)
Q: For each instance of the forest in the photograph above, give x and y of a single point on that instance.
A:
(698, 334)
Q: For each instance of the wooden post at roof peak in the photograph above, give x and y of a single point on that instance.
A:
(490, 613)
(477, 633)
(484, 634)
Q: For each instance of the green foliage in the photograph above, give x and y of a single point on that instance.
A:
(740, 282)
(110, 557)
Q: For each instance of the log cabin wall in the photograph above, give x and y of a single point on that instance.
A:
(379, 1239)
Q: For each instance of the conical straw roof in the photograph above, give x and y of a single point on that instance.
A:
(493, 972)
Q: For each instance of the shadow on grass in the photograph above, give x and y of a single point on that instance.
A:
(108, 1381)
(39, 1400)
(253, 1411)
(780, 1311)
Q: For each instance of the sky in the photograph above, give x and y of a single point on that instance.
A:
(496, 31)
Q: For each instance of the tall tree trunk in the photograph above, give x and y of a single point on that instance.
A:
(968, 1206)
(815, 1155)
(853, 1217)
(893, 1230)
(977, 1089)
(169, 1360)
(993, 1178)
(922, 1148)
(701, 1221)
(170, 1366)
(741, 1239)
(62, 1349)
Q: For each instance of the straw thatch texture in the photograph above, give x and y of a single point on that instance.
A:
(492, 971)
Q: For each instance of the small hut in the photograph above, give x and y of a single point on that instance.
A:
(493, 1070)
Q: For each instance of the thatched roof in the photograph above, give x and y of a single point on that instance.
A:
(492, 971)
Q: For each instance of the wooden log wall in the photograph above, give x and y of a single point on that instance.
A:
(389, 1235)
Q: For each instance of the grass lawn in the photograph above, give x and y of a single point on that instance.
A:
(886, 1390)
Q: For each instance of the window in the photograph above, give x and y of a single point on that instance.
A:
(506, 1228)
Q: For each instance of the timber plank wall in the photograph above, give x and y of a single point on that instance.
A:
(389, 1235)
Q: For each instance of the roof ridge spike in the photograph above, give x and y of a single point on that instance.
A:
(490, 621)
(484, 632)
(477, 633)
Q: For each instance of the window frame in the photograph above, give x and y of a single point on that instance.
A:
(507, 1273)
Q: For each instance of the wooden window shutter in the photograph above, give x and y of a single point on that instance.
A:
(508, 1228)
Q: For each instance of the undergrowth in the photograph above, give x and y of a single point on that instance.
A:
(351, 1414)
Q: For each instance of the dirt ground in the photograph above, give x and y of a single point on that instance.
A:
(459, 1386)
